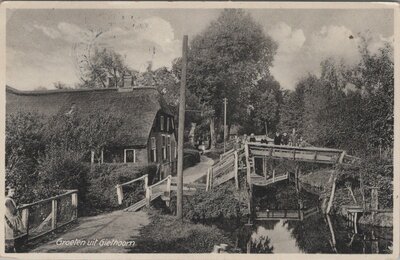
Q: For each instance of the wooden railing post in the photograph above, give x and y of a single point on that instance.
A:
(208, 180)
(25, 220)
(236, 170)
(54, 214)
(148, 196)
(146, 182)
(273, 175)
(74, 200)
(120, 194)
(169, 185)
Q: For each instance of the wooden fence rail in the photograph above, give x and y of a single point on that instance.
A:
(44, 216)
(120, 193)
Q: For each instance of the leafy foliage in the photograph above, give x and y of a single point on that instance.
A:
(99, 66)
(167, 234)
(24, 148)
(222, 202)
(226, 60)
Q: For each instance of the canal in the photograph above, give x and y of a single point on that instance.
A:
(314, 233)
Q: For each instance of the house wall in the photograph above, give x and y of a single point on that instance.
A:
(161, 128)
(116, 155)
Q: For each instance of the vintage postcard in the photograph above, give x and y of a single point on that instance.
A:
(142, 130)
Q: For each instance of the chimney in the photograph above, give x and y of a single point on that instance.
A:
(128, 81)
(127, 84)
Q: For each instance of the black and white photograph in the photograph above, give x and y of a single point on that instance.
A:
(226, 128)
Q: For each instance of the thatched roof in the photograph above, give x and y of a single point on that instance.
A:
(138, 107)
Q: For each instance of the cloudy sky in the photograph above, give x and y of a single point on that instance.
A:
(44, 46)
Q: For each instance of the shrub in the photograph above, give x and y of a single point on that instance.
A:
(190, 158)
(61, 170)
(102, 195)
(166, 234)
(222, 202)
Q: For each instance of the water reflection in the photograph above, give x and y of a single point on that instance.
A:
(315, 233)
(312, 235)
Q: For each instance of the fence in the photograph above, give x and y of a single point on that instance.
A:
(44, 216)
(131, 189)
(158, 189)
(223, 170)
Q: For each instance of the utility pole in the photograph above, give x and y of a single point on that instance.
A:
(179, 206)
(224, 122)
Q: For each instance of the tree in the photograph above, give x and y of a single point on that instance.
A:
(226, 60)
(104, 68)
(24, 148)
(266, 100)
(83, 132)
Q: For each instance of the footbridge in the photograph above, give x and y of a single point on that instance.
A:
(235, 160)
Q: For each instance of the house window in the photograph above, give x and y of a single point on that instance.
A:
(162, 123)
(153, 150)
(129, 156)
(169, 147)
(172, 123)
(175, 151)
(164, 147)
(167, 124)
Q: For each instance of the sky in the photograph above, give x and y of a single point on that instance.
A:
(44, 46)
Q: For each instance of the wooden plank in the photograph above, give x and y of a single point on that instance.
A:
(54, 214)
(236, 171)
(47, 200)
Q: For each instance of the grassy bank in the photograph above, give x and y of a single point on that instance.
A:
(167, 234)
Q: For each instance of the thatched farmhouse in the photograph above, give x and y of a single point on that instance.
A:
(148, 131)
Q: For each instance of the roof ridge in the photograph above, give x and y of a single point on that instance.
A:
(56, 91)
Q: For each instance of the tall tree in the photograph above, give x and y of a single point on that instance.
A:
(226, 60)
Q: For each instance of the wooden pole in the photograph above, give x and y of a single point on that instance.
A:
(148, 197)
(179, 206)
(53, 214)
(74, 201)
(224, 123)
(25, 220)
(332, 195)
(120, 194)
(236, 170)
(208, 179)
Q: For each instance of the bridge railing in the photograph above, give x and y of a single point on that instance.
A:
(162, 187)
(131, 187)
(311, 154)
(44, 216)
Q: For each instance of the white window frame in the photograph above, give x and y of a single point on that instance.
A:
(175, 151)
(153, 148)
(134, 155)
(172, 123)
(169, 147)
(161, 123)
(164, 147)
(167, 124)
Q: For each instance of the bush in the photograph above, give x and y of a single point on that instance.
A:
(222, 202)
(166, 234)
(61, 170)
(190, 158)
(102, 194)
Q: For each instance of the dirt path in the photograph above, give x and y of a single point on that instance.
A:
(114, 227)
(193, 173)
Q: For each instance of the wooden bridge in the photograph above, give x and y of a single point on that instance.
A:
(160, 189)
(301, 154)
(231, 162)
(286, 214)
(45, 216)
